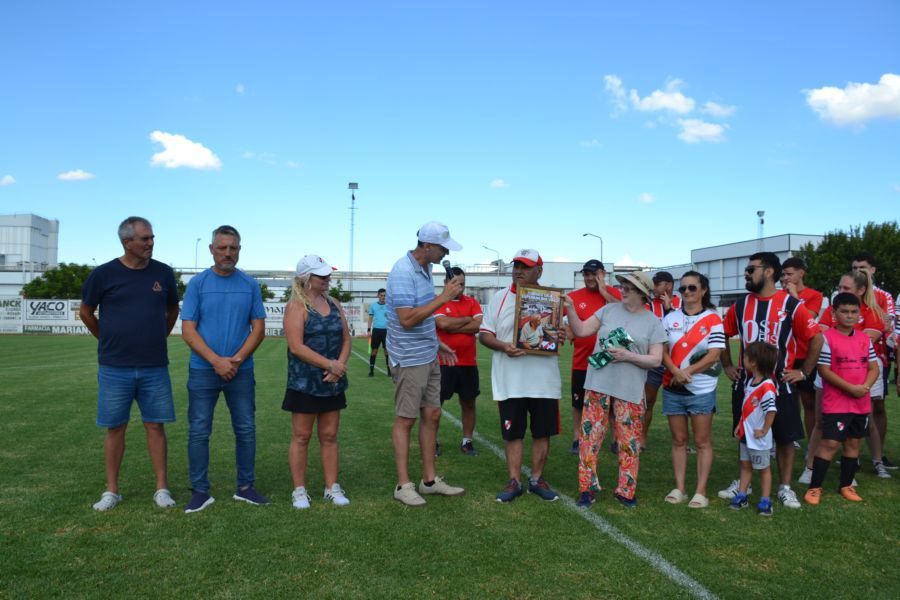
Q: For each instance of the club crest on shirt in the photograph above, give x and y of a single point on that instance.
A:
(703, 330)
(676, 325)
(782, 315)
(157, 287)
(582, 305)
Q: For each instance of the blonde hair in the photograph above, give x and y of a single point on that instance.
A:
(862, 279)
(298, 291)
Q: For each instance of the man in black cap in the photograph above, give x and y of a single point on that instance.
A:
(588, 300)
(662, 303)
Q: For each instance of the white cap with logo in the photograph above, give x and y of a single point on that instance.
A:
(437, 233)
(314, 264)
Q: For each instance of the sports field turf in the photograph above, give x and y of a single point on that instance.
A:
(53, 544)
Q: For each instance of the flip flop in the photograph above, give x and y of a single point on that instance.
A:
(676, 496)
(698, 501)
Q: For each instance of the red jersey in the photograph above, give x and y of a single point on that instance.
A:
(658, 308)
(587, 302)
(461, 343)
(779, 319)
(884, 300)
(868, 320)
(812, 300)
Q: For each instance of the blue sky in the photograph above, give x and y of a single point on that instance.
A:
(660, 126)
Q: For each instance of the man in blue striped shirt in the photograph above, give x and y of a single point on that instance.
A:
(413, 347)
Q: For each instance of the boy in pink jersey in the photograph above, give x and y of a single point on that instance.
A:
(848, 367)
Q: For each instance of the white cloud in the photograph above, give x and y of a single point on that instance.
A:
(857, 103)
(239, 88)
(76, 175)
(626, 260)
(292, 164)
(182, 152)
(592, 143)
(7, 180)
(497, 184)
(698, 130)
(671, 100)
(646, 198)
(717, 110)
(614, 88)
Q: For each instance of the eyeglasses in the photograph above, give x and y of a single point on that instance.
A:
(328, 277)
(751, 268)
(627, 289)
(688, 288)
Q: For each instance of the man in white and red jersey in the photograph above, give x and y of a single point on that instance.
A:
(458, 322)
(588, 300)
(662, 303)
(773, 316)
(792, 272)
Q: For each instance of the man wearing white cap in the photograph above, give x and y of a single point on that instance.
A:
(413, 347)
(525, 385)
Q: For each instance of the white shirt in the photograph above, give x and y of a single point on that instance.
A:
(677, 324)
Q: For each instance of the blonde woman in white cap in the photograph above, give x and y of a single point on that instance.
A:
(620, 382)
(318, 349)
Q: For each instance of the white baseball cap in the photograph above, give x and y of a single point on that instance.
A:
(433, 232)
(314, 264)
(529, 257)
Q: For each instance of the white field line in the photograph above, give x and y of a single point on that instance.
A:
(654, 559)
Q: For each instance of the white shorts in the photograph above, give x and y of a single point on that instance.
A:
(877, 390)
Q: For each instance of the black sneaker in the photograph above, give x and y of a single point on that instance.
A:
(585, 500)
(199, 501)
(468, 449)
(542, 490)
(512, 491)
(627, 502)
(371, 372)
(250, 496)
(574, 448)
(888, 464)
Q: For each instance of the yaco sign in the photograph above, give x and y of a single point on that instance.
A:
(46, 310)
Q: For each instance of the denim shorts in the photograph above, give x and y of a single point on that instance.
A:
(655, 376)
(119, 386)
(678, 404)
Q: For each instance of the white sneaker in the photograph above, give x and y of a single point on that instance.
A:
(732, 490)
(805, 476)
(440, 487)
(881, 470)
(336, 495)
(787, 497)
(299, 498)
(107, 501)
(406, 494)
(163, 498)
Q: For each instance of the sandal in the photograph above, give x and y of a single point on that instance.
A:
(676, 496)
(698, 501)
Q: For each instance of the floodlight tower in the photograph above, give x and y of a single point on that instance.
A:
(760, 214)
(352, 186)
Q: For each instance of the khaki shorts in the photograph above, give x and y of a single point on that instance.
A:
(416, 388)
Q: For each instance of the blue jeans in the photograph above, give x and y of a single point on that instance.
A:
(240, 394)
(118, 387)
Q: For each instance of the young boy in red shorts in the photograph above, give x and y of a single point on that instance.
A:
(848, 367)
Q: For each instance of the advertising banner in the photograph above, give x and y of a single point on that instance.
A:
(42, 311)
(10, 314)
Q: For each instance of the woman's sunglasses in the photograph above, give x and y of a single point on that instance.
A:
(688, 288)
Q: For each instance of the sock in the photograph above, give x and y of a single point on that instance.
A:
(533, 480)
(466, 440)
(429, 483)
(848, 470)
(820, 469)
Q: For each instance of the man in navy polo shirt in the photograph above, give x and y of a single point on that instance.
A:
(223, 322)
(413, 347)
(138, 302)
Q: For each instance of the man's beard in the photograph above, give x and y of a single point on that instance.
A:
(755, 287)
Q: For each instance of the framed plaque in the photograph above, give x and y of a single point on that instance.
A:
(538, 318)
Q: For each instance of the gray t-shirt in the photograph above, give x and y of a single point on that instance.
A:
(625, 380)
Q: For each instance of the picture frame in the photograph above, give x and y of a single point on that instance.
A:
(537, 318)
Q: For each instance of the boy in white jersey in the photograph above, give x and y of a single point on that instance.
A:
(755, 426)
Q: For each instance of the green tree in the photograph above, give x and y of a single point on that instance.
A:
(286, 295)
(266, 294)
(180, 285)
(64, 281)
(337, 292)
(831, 259)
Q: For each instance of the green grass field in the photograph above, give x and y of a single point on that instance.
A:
(54, 545)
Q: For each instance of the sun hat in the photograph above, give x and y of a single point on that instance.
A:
(638, 279)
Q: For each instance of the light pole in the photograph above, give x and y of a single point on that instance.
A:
(601, 243)
(352, 186)
(499, 263)
(196, 247)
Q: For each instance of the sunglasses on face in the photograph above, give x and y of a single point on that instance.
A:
(627, 289)
(751, 268)
(688, 288)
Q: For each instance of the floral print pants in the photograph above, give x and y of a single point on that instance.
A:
(595, 419)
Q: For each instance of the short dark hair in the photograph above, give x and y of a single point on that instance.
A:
(865, 256)
(381, 291)
(794, 263)
(769, 260)
(454, 271)
(225, 230)
(844, 299)
(763, 355)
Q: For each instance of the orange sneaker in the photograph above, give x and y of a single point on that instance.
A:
(850, 494)
(813, 495)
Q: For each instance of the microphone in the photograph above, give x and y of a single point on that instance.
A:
(447, 267)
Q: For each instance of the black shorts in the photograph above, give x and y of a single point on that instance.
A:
(514, 415)
(459, 380)
(299, 402)
(806, 385)
(787, 426)
(840, 426)
(578, 378)
(379, 336)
